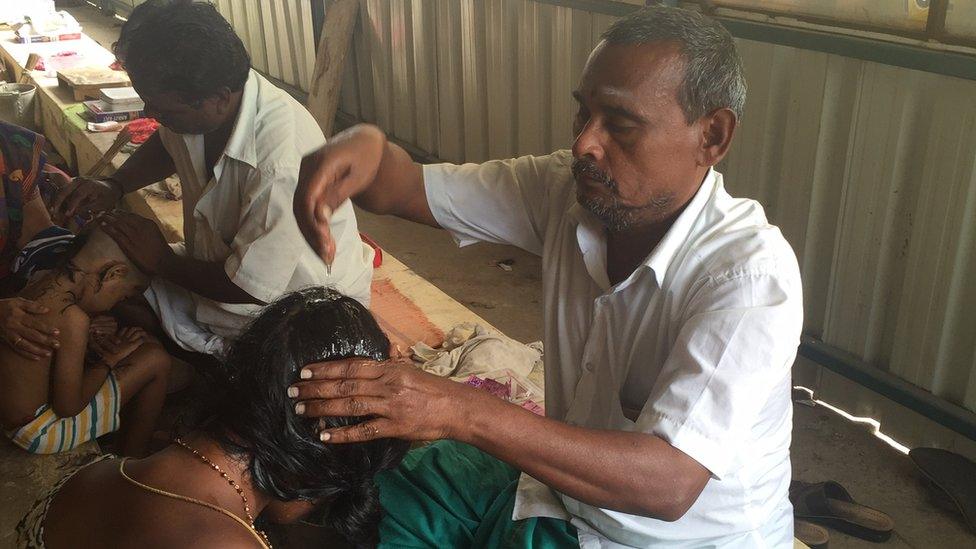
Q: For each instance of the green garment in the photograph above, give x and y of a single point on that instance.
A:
(449, 494)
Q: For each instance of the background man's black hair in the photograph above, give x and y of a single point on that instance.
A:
(184, 47)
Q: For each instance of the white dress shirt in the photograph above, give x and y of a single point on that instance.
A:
(243, 217)
(699, 341)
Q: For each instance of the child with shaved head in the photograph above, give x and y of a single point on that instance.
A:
(57, 403)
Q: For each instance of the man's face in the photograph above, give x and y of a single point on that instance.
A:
(184, 118)
(637, 158)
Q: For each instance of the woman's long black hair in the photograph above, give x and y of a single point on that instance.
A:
(253, 417)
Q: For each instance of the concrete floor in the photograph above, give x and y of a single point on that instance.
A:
(826, 446)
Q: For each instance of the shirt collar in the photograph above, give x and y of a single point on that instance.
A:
(592, 239)
(240, 145)
(660, 257)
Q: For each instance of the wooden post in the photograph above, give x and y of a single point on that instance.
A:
(323, 92)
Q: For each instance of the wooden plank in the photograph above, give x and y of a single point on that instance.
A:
(323, 93)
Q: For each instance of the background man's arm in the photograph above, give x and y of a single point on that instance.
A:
(208, 279)
(147, 165)
(141, 240)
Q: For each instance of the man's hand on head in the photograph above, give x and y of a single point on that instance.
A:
(139, 238)
(84, 195)
(404, 402)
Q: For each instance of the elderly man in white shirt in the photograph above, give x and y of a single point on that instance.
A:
(672, 316)
(237, 142)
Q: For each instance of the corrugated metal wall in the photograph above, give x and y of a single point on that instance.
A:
(868, 169)
(278, 34)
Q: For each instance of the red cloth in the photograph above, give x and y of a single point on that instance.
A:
(142, 129)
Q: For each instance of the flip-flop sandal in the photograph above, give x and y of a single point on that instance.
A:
(813, 536)
(830, 505)
(953, 474)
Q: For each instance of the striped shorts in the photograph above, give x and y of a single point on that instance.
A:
(49, 434)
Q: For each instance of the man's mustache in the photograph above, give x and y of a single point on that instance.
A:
(589, 169)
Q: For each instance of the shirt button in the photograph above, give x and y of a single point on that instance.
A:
(588, 366)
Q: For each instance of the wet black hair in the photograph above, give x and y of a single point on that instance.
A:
(184, 47)
(252, 417)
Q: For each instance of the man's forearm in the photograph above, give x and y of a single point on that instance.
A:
(204, 278)
(631, 472)
(147, 165)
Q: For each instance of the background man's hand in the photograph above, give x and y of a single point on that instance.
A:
(338, 171)
(103, 325)
(139, 238)
(408, 403)
(83, 195)
(30, 337)
(114, 348)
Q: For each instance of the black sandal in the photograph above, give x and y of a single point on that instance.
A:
(953, 474)
(812, 535)
(829, 504)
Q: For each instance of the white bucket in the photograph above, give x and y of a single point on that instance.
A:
(17, 104)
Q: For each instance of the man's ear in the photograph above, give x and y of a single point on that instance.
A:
(116, 272)
(717, 128)
(222, 99)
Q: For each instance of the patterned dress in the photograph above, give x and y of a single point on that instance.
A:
(30, 530)
(21, 164)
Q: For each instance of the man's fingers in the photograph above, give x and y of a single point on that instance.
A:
(343, 407)
(40, 326)
(341, 369)
(32, 307)
(40, 339)
(119, 235)
(362, 432)
(30, 350)
(339, 388)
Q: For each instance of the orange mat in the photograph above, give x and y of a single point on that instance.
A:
(402, 320)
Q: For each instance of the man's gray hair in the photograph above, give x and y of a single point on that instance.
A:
(713, 72)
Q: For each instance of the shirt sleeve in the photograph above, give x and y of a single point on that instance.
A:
(500, 201)
(268, 244)
(733, 352)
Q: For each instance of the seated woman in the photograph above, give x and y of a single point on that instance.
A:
(251, 457)
(24, 219)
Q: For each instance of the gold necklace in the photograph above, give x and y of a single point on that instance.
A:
(260, 537)
(232, 482)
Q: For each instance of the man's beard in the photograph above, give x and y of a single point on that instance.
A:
(614, 216)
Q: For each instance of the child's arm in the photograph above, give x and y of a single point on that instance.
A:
(70, 382)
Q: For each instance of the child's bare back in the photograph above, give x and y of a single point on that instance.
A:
(58, 402)
(26, 382)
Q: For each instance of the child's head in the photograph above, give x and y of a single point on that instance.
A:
(106, 274)
(253, 417)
